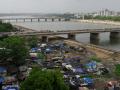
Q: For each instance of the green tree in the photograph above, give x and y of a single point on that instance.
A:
(44, 80)
(6, 27)
(4, 55)
(117, 69)
(111, 18)
(18, 49)
(95, 58)
(32, 42)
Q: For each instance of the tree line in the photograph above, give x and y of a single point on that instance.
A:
(6, 27)
(111, 18)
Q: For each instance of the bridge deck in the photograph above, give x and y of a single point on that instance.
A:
(30, 32)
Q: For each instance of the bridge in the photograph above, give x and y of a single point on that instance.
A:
(34, 19)
(94, 33)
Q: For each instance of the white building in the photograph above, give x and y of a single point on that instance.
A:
(107, 12)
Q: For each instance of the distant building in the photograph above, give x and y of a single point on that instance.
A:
(106, 12)
(68, 15)
(118, 13)
(77, 15)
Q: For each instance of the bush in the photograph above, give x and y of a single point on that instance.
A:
(44, 80)
(6, 27)
(95, 58)
(112, 18)
(117, 69)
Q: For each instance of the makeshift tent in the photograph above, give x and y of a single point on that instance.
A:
(88, 81)
(10, 87)
(39, 50)
(3, 69)
(33, 56)
(92, 66)
(43, 45)
(33, 49)
(23, 68)
(79, 70)
(10, 79)
(1, 80)
(48, 50)
(12, 69)
(83, 88)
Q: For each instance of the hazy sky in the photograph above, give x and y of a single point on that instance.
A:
(56, 6)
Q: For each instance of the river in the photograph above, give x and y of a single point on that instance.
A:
(104, 37)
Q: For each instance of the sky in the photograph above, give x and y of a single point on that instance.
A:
(57, 6)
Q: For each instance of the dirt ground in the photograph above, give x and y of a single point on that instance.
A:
(100, 52)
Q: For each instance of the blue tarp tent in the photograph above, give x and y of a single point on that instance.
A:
(2, 69)
(33, 49)
(2, 79)
(91, 66)
(11, 88)
(88, 81)
(79, 70)
(48, 50)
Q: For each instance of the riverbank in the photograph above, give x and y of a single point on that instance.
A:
(107, 22)
(99, 51)
(23, 29)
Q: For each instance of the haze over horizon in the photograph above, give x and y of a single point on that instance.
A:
(57, 6)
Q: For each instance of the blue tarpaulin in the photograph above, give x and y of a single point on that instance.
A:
(88, 80)
(48, 50)
(2, 79)
(79, 70)
(2, 69)
(34, 49)
(11, 88)
(91, 66)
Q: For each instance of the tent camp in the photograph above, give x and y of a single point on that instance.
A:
(91, 66)
(3, 71)
(1, 80)
(79, 70)
(11, 87)
(88, 81)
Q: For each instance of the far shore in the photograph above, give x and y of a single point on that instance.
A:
(107, 22)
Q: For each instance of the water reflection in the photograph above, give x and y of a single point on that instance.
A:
(95, 41)
(114, 41)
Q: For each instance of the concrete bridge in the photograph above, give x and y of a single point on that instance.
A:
(94, 33)
(36, 19)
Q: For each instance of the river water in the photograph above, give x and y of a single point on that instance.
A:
(104, 37)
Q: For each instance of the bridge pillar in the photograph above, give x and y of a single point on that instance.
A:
(45, 19)
(31, 20)
(44, 39)
(94, 38)
(59, 19)
(38, 19)
(114, 35)
(53, 20)
(24, 20)
(16, 20)
(71, 36)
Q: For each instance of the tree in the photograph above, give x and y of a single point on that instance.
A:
(32, 42)
(95, 58)
(44, 80)
(4, 55)
(6, 27)
(117, 69)
(18, 50)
